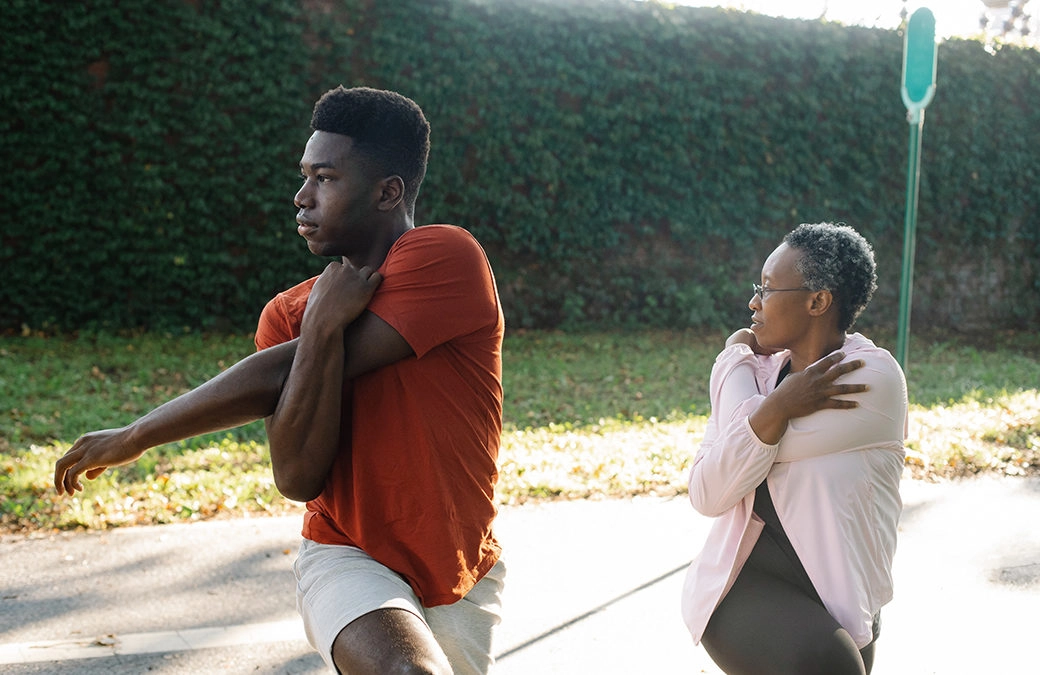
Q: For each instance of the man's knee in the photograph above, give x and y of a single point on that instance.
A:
(389, 642)
(405, 666)
(394, 660)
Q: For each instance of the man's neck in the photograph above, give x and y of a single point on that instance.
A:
(380, 248)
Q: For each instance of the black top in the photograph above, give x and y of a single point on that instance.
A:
(779, 558)
(773, 553)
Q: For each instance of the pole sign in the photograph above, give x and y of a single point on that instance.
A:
(919, 58)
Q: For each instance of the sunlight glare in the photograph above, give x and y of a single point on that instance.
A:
(952, 17)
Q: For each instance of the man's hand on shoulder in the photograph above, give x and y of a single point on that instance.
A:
(339, 296)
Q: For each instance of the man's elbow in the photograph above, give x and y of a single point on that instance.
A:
(297, 486)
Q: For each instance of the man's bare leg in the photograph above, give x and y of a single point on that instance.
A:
(388, 641)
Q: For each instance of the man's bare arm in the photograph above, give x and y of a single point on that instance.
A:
(338, 342)
(245, 392)
(301, 399)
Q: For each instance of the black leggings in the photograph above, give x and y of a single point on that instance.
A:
(771, 624)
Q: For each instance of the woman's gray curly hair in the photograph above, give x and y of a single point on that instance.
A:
(838, 259)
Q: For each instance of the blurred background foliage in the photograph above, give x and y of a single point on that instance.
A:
(624, 163)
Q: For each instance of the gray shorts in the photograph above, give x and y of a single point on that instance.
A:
(337, 584)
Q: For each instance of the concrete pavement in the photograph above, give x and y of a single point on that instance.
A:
(592, 587)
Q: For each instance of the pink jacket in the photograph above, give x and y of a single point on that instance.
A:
(834, 479)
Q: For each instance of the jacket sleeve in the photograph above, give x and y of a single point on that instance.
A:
(731, 461)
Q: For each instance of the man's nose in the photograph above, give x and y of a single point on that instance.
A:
(303, 196)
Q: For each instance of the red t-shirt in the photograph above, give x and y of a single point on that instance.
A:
(414, 483)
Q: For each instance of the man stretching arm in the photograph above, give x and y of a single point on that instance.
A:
(381, 384)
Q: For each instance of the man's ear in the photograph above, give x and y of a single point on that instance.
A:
(820, 302)
(391, 193)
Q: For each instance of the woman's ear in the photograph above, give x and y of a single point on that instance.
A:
(820, 302)
(391, 193)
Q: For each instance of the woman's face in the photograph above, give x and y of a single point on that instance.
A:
(780, 310)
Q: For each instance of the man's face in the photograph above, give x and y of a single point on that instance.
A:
(337, 200)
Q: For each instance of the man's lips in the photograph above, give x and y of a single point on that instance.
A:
(305, 227)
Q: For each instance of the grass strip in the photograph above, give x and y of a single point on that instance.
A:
(586, 416)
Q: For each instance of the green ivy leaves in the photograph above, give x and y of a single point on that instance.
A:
(624, 163)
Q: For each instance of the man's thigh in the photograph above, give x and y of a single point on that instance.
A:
(465, 629)
(352, 606)
(388, 641)
(337, 585)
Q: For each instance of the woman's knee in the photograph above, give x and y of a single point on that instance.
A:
(836, 655)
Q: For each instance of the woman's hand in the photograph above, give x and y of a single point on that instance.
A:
(747, 337)
(815, 389)
(804, 393)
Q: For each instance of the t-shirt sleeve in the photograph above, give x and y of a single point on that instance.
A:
(270, 329)
(280, 320)
(437, 286)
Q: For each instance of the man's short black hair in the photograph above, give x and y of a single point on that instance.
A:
(389, 130)
(838, 259)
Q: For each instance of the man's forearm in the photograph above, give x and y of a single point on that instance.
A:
(245, 392)
(304, 427)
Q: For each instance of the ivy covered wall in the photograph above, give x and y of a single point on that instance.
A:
(624, 163)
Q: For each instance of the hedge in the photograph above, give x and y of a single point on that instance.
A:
(624, 163)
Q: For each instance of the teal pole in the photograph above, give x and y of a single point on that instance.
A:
(913, 181)
(919, 59)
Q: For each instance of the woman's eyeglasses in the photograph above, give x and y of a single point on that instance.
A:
(761, 291)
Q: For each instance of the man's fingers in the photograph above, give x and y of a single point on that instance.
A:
(59, 478)
(68, 482)
(72, 483)
(61, 468)
(68, 469)
(364, 272)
